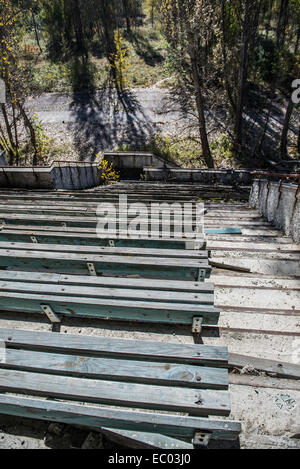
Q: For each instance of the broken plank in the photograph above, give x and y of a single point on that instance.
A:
(280, 369)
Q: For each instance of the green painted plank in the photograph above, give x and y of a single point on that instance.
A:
(90, 239)
(96, 417)
(123, 251)
(113, 292)
(193, 354)
(228, 230)
(162, 373)
(131, 283)
(193, 401)
(110, 309)
(57, 210)
(143, 440)
(10, 219)
(120, 265)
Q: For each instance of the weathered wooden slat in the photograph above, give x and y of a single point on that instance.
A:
(92, 222)
(113, 292)
(62, 210)
(192, 401)
(131, 283)
(110, 309)
(120, 265)
(210, 231)
(102, 346)
(162, 373)
(90, 238)
(143, 440)
(97, 417)
(281, 369)
(144, 252)
(217, 245)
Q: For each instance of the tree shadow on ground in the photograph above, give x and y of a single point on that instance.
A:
(144, 49)
(106, 118)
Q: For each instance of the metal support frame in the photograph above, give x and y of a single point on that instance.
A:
(92, 269)
(201, 439)
(201, 275)
(52, 316)
(197, 325)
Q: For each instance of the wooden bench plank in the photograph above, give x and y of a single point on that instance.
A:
(134, 283)
(134, 349)
(121, 251)
(91, 221)
(281, 369)
(121, 265)
(143, 440)
(110, 309)
(113, 293)
(67, 236)
(88, 211)
(193, 401)
(96, 417)
(161, 373)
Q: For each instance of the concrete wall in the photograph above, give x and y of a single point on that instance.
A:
(279, 204)
(204, 176)
(58, 176)
(136, 160)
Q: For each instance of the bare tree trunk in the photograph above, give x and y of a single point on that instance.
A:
(284, 134)
(29, 126)
(225, 62)
(282, 23)
(36, 33)
(9, 133)
(127, 16)
(16, 134)
(240, 98)
(249, 21)
(201, 116)
(79, 33)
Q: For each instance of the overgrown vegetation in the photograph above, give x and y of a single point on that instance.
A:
(216, 55)
(108, 174)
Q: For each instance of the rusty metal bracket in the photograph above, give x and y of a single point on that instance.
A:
(201, 439)
(92, 269)
(197, 325)
(201, 275)
(52, 316)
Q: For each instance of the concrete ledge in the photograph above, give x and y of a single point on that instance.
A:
(205, 176)
(70, 176)
(136, 160)
(279, 204)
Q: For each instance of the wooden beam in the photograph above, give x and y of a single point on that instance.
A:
(97, 417)
(193, 401)
(161, 373)
(193, 354)
(279, 369)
